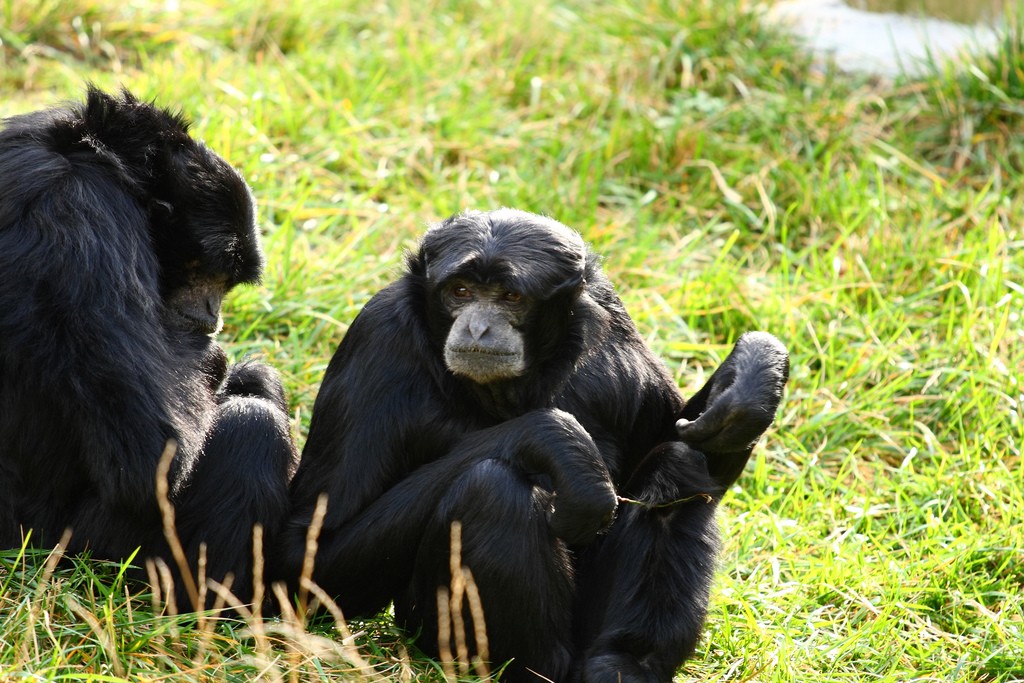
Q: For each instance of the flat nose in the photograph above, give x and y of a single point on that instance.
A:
(214, 299)
(478, 326)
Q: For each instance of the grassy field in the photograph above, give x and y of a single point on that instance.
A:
(729, 182)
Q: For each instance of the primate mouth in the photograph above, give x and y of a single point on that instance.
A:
(483, 351)
(190, 323)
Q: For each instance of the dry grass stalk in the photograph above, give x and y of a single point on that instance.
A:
(170, 532)
(450, 621)
(309, 559)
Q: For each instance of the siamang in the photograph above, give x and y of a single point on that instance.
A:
(119, 236)
(500, 383)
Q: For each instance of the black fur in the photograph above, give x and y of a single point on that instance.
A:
(530, 466)
(107, 209)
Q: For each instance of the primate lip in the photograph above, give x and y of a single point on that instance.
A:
(482, 351)
(191, 323)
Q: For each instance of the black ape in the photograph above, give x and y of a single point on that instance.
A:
(501, 383)
(119, 236)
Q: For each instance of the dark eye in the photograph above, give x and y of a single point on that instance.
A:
(513, 297)
(461, 292)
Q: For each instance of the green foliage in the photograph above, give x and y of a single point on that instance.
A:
(730, 184)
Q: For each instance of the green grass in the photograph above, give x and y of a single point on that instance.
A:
(730, 184)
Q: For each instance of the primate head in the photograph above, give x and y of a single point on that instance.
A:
(501, 286)
(201, 216)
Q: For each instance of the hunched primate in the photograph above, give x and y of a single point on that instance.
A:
(500, 384)
(119, 236)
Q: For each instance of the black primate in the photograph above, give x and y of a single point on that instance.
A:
(501, 383)
(119, 236)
